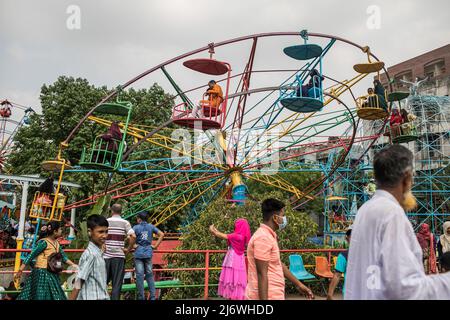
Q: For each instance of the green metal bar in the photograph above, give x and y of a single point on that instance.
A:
(177, 88)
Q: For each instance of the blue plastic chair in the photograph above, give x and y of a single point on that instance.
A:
(297, 268)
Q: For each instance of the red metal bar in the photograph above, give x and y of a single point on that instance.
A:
(198, 251)
(239, 116)
(206, 274)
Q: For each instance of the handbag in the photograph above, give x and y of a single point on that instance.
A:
(55, 260)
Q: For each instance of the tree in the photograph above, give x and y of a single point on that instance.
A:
(300, 180)
(222, 214)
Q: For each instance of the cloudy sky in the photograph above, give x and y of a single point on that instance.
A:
(119, 39)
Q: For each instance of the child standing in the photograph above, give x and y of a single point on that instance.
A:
(43, 283)
(90, 283)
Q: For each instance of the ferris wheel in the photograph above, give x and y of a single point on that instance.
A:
(12, 117)
(253, 121)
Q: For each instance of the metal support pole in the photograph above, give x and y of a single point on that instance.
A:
(23, 210)
(19, 240)
(206, 275)
(72, 222)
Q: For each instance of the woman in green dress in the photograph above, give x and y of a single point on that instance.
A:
(43, 284)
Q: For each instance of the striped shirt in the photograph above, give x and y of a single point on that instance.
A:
(92, 270)
(263, 246)
(118, 231)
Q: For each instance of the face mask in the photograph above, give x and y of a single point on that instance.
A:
(409, 202)
(283, 224)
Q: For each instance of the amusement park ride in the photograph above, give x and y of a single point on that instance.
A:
(253, 133)
(300, 109)
(12, 117)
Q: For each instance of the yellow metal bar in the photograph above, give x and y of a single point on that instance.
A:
(236, 178)
(55, 200)
(174, 206)
(279, 183)
(17, 261)
(221, 139)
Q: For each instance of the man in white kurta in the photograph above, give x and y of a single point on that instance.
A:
(385, 258)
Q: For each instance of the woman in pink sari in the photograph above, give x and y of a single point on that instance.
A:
(233, 278)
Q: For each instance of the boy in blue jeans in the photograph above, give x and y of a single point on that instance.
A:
(143, 255)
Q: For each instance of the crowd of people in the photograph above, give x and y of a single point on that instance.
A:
(101, 263)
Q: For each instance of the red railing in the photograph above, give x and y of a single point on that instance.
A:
(206, 268)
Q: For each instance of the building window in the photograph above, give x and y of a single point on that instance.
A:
(434, 68)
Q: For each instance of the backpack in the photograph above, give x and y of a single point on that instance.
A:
(55, 260)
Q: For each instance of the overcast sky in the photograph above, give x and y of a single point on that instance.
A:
(120, 39)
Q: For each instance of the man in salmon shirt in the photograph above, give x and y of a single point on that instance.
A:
(266, 272)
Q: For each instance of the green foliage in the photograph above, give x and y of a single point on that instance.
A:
(223, 214)
(300, 180)
(101, 208)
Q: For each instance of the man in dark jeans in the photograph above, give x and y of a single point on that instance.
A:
(143, 255)
(118, 231)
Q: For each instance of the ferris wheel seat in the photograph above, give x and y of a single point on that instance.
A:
(208, 109)
(315, 93)
(204, 118)
(43, 204)
(198, 123)
(302, 104)
(405, 138)
(404, 133)
(303, 51)
(207, 66)
(368, 67)
(103, 154)
(119, 108)
(397, 96)
(370, 113)
(5, 112)
(55, 165)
